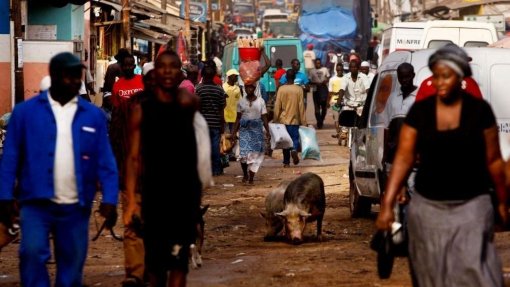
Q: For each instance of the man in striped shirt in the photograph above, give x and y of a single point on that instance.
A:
(212, 103)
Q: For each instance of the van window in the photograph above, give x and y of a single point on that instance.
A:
(434, 44)
(386, 85)
(475, 44)
(285, 53)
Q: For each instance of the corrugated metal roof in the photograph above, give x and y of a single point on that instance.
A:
(459, 4)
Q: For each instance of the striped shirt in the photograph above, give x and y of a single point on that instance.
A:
(212, 103)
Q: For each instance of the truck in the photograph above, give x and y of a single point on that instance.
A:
(412, 36)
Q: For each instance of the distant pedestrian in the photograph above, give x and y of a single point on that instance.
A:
(57, 150)
(290, 110)
(233, 96)
(309, 57)
(365, 69)
(190, 73)
(250, 123)
(334, 85)
(170, 184)
(450, 215)
(212, 104)
(300, 78)
(113, 73)
(319, 77)
(280, 71)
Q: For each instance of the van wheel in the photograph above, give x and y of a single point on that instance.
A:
(360, 206)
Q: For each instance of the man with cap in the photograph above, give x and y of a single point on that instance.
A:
(57, 150)
(309, 57)
(365, 69)
(113, 73)
(233, 95)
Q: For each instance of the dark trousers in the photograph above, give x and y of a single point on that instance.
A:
(293, 131)
(320, 103)
(215, 134)
(69, 224)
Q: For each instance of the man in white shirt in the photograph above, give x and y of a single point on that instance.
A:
(365, 69)
(309, 57)
(319, 77)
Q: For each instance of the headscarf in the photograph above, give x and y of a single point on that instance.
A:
(454, 57)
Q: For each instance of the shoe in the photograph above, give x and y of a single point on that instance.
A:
(132, 282)
(334, 136)
(286, 165)
(295, 158)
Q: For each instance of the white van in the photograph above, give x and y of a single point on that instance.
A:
(490, 68)
(411, 36)
(272, 16)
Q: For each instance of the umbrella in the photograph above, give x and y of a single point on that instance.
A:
(503, 43)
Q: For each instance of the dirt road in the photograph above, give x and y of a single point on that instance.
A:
(234, 251)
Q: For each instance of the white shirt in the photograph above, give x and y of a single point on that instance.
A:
(355, 92)
(309, 57)
(219, 65)
(397, 106)
(64, 176)
(255, 111)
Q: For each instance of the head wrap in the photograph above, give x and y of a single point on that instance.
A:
(454, 57)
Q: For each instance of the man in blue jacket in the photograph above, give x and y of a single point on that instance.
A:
(57, 150)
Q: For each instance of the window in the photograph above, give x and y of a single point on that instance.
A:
(475, 44)
(285, 53)
(438, 43)
(386, 85)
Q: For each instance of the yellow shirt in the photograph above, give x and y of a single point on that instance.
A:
(233, 96)
(335, 83)
(289, 107)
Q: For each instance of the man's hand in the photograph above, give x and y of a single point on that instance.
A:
(7, 212)
(109, 212)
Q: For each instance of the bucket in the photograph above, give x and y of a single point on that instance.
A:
(249, 54)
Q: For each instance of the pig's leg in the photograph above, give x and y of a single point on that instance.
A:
(319, 227)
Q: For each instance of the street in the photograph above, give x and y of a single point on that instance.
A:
(234, 251)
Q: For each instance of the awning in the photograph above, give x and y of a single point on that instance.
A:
(149, 35)
(169, 28)
(114, 5)
(459, 4)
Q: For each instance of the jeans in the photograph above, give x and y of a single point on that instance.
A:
(69, 224)
(293, 131)
(215, 134)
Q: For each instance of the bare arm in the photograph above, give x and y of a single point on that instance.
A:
(236, 125)
(267, 65)
(266, 125)
(496, 168)
(402, 164)
(341, 94)
(132, 162)
(277, 107)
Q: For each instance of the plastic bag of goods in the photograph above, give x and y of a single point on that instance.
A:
(249, 72)
(203, 150)
(309, 143)
(280, 138)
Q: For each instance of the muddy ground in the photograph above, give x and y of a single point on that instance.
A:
(234, 251)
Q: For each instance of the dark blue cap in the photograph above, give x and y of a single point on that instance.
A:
(64, 61)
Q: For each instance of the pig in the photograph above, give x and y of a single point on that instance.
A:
(274, 205)
(196, 248)
(304, 201)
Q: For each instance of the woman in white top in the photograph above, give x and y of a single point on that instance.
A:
(250, 123)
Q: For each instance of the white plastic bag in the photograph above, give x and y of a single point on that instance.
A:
(280, 138)
(309, 144)
(203, 150)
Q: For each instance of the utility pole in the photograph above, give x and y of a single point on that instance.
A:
(19, 94)
(163, 6)
(126, 25)
(187, 28)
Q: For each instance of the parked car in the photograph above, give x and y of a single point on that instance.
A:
(366, 175)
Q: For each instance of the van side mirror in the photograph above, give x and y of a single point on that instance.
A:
(348, 118)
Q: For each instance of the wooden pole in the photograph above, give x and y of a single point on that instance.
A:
(126, 25)
(163, 6)
(187, 27)
(19, 94)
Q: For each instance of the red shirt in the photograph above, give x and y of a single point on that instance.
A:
(427, 89)
(217, 80)
(124, 89)
(278, 74)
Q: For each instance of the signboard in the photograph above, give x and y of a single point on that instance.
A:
(197, 11)
(498, 20)
(42, 32)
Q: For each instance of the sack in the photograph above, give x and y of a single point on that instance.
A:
(226, 144)
(280, 138)
(250, 72)
(203, 150)
(309, 145)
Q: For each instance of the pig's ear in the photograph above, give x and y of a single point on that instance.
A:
(262, 214)
(304, 214)
(281, 214)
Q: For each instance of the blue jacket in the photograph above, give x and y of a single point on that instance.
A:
(29, 153)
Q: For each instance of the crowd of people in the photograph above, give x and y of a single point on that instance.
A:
(55, 181)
